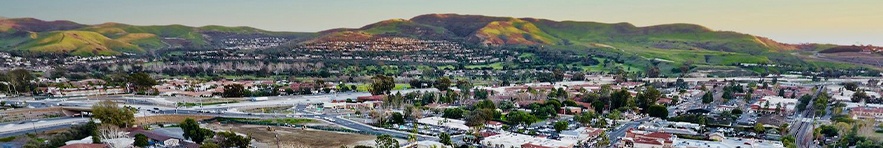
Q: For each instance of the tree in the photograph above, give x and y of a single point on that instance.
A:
(443, 84)
(193, 132)
(821, 102)
(860, 96)
(464, 86)
(728, 94)
(560, 126)
(381, 84)
(108, 112)
(58, 72)
(141, 140)
(759, 129)
(737, 111)
(620, 98)
(685, 68)
(653, 72)
(615, 115)
(852, 86)
(707, 98)
(413, 112)
(783, 130)
(585, 118)
(397, 118)
(578, 77)
(234, 90)
(20, 79)
(604, 141)
(107, 132)
(828, 130)
(230, 139)
(658, 111)
(647, 98)
(141, 81)
(386, 141)
(520, 118)
(557, 75)
(789, 141)
(478, 118)
(484, 104)
(507, 105)
(453, 113)
(445, 138)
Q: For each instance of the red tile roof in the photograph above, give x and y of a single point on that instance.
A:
(85, 146)
(530, 145)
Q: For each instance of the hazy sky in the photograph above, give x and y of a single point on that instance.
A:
(791, 21)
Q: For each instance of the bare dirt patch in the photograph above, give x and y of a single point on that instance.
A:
(27, 114)
(297, 136)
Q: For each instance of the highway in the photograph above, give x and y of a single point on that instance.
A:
(21, 128)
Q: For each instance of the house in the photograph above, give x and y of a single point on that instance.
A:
(494, 124)
(582, 134)
(160, 140)
(571, 110)
(370, 98)
(664, 101)
(771, 104)
(866, 112)
(507, 140)
(85, 145)
(644, 139)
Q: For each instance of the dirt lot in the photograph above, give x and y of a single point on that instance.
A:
(295, 137)
(26, 114)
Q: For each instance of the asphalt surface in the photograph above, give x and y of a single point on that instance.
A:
(620, 132)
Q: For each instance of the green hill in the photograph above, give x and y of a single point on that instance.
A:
(671, 45)
(65, 37)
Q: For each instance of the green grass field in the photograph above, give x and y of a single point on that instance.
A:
(495, 66)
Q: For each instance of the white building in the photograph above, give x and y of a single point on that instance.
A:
(449, 123)
(508, 140)
(787, 104)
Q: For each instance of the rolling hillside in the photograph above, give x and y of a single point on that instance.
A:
(65, 37)
(670, 44)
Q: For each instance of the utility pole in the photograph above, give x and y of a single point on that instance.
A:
(279, 145)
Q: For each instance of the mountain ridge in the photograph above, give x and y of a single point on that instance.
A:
(37, 36)
(471, 29)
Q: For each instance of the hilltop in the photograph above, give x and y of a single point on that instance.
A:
(670, 44)
(36, 36)
(501, 31)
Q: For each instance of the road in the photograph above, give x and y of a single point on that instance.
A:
(620, 132)
(803, 126)
(21, 128)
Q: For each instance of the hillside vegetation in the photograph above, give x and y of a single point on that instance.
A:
(64, 37)
(671, 45)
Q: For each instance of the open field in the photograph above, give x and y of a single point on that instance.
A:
(295, 136)
(167, 119)
(276, 109)
(26, 114)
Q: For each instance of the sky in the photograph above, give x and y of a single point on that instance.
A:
(790, 21)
